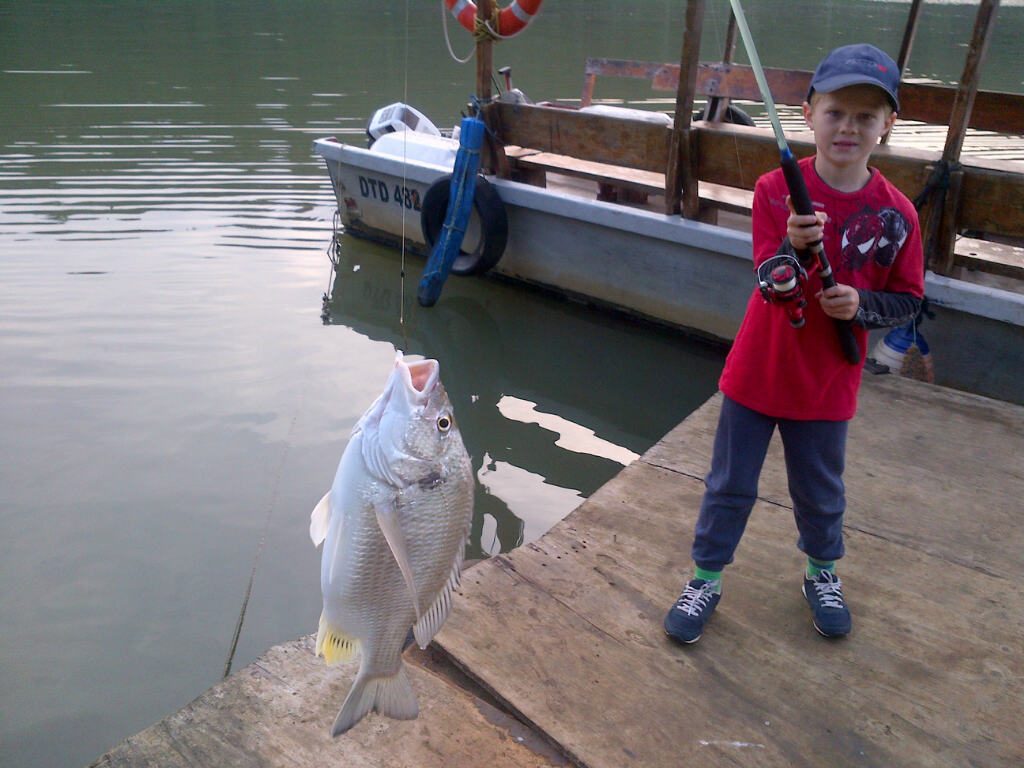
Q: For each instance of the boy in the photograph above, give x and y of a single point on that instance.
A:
(797, 379)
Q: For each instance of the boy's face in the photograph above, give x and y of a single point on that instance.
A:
(847, 124)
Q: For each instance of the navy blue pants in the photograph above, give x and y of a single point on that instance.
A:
(815, 454)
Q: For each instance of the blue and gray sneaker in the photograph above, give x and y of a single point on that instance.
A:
(685, 620)
(824, 594)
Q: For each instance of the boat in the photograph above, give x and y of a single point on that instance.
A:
(648, 214)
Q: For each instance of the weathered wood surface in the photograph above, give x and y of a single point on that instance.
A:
(992, 198)
(927, 102)
(278, 711)
(567, 631)
(726, 198)
(628, 143)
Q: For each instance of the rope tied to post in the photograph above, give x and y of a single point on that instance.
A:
(487, 29)
(938, 182)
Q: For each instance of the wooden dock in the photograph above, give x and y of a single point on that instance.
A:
(565, 660)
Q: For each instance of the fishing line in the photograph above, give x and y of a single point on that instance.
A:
(263, 535)
(405, 165)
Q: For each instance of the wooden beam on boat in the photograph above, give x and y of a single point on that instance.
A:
(924, 102)
(992, 198)
(599, 138)
(663, 77)
(680, 179)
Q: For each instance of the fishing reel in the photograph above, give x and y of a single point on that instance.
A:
(781, 280)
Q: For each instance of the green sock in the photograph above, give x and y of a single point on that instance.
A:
(700, 573)
(815, 567)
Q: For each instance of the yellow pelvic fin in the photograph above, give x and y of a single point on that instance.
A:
(334, 645)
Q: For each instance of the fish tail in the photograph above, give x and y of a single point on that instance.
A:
(334, 645)
(392, 696)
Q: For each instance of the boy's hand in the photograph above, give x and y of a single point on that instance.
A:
(840, 301)
(804, 230)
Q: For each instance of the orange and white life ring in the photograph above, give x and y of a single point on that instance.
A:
(511, 20)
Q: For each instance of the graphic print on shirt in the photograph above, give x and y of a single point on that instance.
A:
(873, 235)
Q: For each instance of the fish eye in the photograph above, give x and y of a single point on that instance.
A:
(444, 423)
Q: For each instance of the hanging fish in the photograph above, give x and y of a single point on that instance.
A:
(394, 527)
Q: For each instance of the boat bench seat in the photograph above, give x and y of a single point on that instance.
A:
(619, 184)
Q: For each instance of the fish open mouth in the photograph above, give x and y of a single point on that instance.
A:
(423, 374)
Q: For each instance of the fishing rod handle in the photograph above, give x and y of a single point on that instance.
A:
(801, 200)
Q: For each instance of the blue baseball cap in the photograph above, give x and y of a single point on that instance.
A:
(859, 64)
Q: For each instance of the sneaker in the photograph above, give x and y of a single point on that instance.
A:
(685, 620)
(825, 596)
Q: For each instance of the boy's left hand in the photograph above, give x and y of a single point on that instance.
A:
(840, 301)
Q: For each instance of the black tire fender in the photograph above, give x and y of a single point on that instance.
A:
(733, 114)
(491, 216)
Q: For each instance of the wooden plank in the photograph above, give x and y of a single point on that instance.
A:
(567, 631)
(986, 256)
(629, 143)
(992, 197)
(680, 178)
(926, 102)
(972, 253)
(993, 110)
(279, 711)
(649, 182)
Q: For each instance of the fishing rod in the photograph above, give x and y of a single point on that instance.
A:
(794, 180)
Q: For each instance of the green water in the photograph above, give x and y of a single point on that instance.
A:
(173, 403)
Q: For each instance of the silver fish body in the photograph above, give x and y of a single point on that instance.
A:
(394, 527)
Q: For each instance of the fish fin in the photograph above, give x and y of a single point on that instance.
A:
(387, 519)
(431, 621)
(319, 520)
(391, 696)
(334, 645)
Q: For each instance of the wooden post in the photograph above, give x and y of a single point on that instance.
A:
(717, 105)
(968, 88)
(484, 54)
(945, 236)
(909, 32)
(941, 209)
(484, 67)
(680, 178)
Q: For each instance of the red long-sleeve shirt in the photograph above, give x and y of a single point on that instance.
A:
(872, 239)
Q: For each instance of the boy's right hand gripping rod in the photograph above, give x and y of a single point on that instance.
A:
(794, 180)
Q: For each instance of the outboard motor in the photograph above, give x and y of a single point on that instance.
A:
(399, 117)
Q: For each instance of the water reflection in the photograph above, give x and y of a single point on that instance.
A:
(543, 420)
